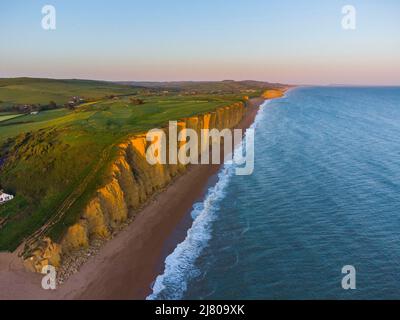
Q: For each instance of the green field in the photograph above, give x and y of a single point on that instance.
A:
(42, 91)
(45, 157)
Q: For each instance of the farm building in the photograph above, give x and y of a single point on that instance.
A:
(4, 197)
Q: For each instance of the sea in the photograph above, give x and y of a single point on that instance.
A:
(324, 197)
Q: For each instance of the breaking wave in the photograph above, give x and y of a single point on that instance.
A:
(180, 264)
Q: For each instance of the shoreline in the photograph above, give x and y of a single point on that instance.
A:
(127, 265)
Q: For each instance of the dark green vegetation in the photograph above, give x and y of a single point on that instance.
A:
(61, 156)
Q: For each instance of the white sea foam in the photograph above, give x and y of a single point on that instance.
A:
(180, 264)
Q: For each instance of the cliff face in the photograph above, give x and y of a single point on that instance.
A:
(132, 181)
(273, 93)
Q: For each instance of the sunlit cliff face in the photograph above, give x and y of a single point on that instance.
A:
(131, 182)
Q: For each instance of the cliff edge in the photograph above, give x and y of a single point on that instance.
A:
(130, 183)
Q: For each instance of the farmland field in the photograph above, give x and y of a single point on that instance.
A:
(42, 91)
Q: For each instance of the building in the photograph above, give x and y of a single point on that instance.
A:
(4, 197)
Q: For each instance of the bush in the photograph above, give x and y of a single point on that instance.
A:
(136, 101)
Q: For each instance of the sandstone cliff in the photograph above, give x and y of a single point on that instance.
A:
(273, 93)
(131, 182)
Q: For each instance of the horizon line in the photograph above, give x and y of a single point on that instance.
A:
(223, 80)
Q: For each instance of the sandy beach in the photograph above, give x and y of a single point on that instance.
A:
(128, 264)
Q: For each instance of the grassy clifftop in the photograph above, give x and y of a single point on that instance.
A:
(55, 160)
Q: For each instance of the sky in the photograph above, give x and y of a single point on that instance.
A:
(287, 41)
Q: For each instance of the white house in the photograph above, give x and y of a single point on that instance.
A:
(4, 197)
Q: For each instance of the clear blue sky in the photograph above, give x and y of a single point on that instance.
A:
(287, 41)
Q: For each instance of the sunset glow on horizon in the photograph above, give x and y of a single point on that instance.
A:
(288, 42)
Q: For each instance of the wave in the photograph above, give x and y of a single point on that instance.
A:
(180, 264)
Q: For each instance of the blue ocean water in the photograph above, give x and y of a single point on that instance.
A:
(324, 194)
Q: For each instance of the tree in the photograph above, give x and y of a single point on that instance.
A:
(52, 105)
